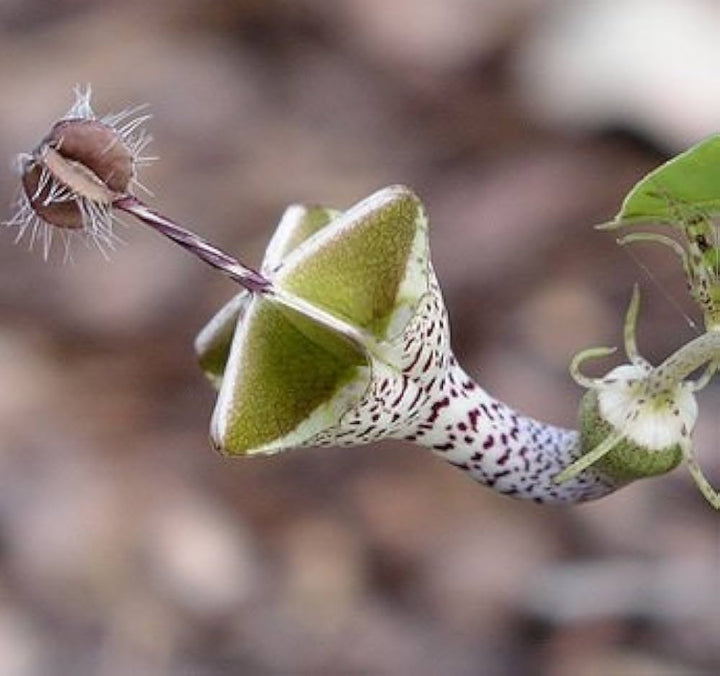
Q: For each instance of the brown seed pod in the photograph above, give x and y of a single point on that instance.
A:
(84, 158)
(97, 146)
(76, 173)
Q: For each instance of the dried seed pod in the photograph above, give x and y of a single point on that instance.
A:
(76, 173)
(56, 185)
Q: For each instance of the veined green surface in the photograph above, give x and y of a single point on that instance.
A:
(278, 375)
(354, 268)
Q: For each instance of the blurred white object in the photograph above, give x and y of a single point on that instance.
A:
(435, 35)
(22, 651)
(202, 559)
(647, 65)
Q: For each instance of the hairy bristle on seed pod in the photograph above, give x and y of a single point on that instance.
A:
(71, 179)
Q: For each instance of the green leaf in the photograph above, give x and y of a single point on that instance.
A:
(690, 180)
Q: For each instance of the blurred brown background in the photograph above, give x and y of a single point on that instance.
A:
(128, 547)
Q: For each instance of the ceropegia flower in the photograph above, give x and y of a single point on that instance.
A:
(343, 337)
(380, 365)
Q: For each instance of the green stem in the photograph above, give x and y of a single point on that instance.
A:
(690, 357)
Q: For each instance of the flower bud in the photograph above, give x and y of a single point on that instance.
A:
(650, 440)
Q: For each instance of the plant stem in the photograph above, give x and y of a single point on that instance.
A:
(244, 275)
(690, 357)
(248, 278)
